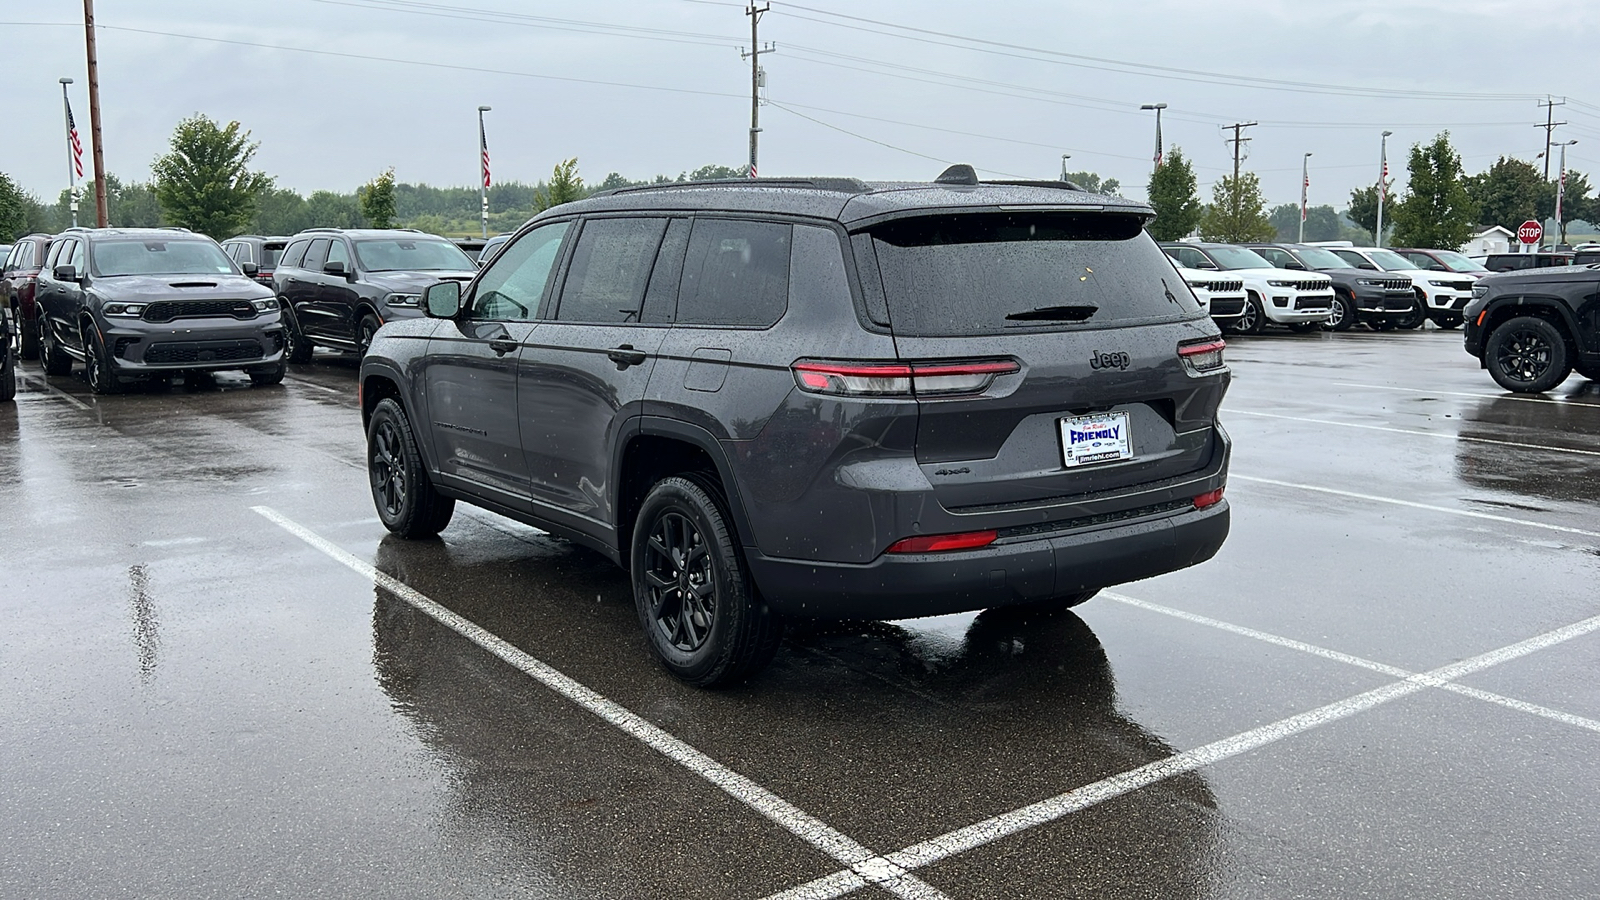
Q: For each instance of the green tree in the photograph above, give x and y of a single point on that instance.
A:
(204, 183)
(1237, 211)
(1092, 183)
(127, 205)
(377, 200)
(564, 187)
(327, 209)
(1436, 212)
(280, 211)
(716, 173)
(1175, 196)
(1508, 193)
(1364, 206)
(13, 210)
(1322, 223)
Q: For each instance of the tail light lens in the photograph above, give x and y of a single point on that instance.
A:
(1203, 355)
(936, 543)
(941, 379)
(1209, 498)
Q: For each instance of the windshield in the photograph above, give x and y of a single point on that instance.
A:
(160, 257)
(1238, 258)
(1458, 263)
(408, 255)
(994, 273)
(1318, 258)
(1390, 261)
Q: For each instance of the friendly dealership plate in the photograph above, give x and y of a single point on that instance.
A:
(1103, 437)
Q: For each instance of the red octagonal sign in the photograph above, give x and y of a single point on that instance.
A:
(1530, 232)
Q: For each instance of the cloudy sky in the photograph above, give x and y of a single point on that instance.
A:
(337, 90)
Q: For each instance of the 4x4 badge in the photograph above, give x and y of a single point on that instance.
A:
(1102, 360)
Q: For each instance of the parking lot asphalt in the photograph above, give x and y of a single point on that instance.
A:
(220, 676)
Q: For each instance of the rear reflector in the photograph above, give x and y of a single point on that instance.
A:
(901, 379)
(934, 543)
(1203, 355)
(1209, 498)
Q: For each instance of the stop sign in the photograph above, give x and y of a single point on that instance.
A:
(1530, 232)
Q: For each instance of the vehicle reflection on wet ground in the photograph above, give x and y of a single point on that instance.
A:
(199, 702)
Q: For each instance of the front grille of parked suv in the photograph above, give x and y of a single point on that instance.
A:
(1310, 285)
(1225, 287)
(1397, 284)
(202, 351)
(168, 310)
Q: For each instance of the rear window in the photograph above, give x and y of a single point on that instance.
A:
(994, 273)
(270, 254)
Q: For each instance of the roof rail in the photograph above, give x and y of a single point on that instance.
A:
(825, 183)
(1056, 184)
(322, 228)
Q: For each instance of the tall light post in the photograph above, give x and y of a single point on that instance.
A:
(1305, 185)
(1064, 158)
(483, 182)
(73, 155)
(1561, 186)
(1383, 186)
(1158, 107)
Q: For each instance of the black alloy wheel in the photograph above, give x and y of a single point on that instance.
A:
(296, 347)
(1527, 355)
(98, 368)
(1413, 319)
(407, 502)
(1343, 314)
(1250, 321)
(365, 331)
(701, 613)
(54, 359)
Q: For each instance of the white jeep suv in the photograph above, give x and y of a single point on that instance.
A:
(1221, 296)
(1300, 300)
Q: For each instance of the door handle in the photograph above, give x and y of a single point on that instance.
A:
(502, 345)
(625, 356)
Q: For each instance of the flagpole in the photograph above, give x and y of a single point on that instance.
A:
(72, 160)
(483, 173)
(1305, 185)
(1383, 188)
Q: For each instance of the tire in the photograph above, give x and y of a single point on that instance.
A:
(365, 330)
(1344, 314)
(98, 369)
(269, 377)
(51, 356)
(1527, 355)
(406, 499)
(1447, 321)
(296, 346)
(1249, 322)
(1413, 319)
(700, 611)
(30, 340)
(1305, 327)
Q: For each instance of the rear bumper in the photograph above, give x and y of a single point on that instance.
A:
(927, 584)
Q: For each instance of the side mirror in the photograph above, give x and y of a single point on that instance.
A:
(250, 269)
(1437, 267)
(1207, 264)
(1295, 264)
(442, 300)
(1368, 266)
(335, 267)
(66, 273)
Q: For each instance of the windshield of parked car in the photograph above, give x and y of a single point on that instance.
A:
(411, 255)
(1458, 263)
(1318, 258)
(1238, 258)
(159, 256)
(1390, 261)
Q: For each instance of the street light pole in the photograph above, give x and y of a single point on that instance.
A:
(1383, 178)
(1561, 186)
(483, 180)
(1064, 158)
(1158, 107)
(1305, 185)
(72, 159)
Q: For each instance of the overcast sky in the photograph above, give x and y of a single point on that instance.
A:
(658, 86)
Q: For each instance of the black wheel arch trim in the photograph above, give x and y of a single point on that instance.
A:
(1569, 318)
(387, 370)
(697, 437)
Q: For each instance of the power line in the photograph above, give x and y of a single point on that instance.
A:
(776, 105)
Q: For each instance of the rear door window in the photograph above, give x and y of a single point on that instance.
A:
(293, 254)
(736, 274)
(995, 273)
(610, 269)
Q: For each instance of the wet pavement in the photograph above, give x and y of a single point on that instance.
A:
(221, 678)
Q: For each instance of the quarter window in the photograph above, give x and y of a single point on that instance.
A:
(736, 274)
(512, 286)
(610, 268)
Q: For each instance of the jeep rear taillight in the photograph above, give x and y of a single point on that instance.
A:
(933, 379)
(1209, 498)
(939, 543)
(1204, 355)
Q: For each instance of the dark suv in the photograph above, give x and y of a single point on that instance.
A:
(142, 303)
(19, 279)
(1531, 329)
(1375, 299)
(818, 398)
(341, 285)
(261, 252)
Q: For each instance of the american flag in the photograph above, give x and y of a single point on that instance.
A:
(72, 139)
(483, 141)
(1303, 188)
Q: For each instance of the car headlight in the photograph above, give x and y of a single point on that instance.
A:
(124, 310)
(402, 299)
(1370, 282)
(1199, 285)
(268, 305)
(1443, 284)
(1281, 283)
(1480, 291)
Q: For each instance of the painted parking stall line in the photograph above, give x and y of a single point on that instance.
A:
(863, 865)
(1519, 399)
(53, 391)
(1433, 434)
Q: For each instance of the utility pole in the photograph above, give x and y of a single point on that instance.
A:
(1561, 188)
(1158, 107)
(1549, 127)
(1238, 143)
(94, 117)
(73, 154)
(1383, 183)
(1305, 186)
(755, 78)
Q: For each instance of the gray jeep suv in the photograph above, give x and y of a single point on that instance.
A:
(819, 398)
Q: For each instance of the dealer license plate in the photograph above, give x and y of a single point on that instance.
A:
(1099, 438)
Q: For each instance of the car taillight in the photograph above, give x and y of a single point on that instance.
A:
(1209, 498)
(935, 543)
(1204, 355)
(941, 379)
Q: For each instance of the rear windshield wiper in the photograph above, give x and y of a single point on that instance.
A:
(1054, 314)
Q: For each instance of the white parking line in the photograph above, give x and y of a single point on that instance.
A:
(320, 387)
(1347, 659)
(863, 865)
(1432, 434)
(1414, 505)
(1385, 387)
(992, 829)
(53, 391)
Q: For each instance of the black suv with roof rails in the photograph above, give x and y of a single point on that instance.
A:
(1532, 328)
(144, 303)
(1375, 299)
(339, 286)
(819, 398)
